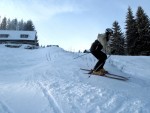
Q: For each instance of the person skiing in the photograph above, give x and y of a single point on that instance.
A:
(98, 48)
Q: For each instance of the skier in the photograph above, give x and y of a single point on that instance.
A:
(98, 48)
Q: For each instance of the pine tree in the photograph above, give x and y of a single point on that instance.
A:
(148, 42)
(8, 24)
(143, 27)
(29, 26)
(16, 25)
(131, 33)
(3, 25)
(13, 25)
(117, 40)
(21, 25)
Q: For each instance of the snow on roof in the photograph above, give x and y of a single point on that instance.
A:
(17, 35)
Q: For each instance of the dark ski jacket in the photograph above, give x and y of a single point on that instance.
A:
(96, 46)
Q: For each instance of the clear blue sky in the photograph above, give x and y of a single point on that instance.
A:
(71, 24)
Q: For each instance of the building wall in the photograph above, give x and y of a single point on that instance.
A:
(19, 37)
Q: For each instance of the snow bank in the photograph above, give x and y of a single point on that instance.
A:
(133, 65)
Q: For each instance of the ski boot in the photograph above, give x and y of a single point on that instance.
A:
(104, 71)
(99, 72)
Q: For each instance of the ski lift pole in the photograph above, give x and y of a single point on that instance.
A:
(81, 55)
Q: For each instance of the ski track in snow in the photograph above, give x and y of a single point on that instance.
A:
(51, 99)
(65, 91)
(4, 108)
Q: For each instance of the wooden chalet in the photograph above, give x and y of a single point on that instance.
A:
(18, 37)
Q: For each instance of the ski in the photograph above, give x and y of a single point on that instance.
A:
(108, 75)
(117, 78)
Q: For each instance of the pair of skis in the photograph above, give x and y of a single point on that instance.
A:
(108, 75)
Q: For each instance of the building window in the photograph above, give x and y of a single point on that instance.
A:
(24, 36)
(4, 35)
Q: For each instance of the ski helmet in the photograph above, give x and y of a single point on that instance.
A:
(109, 31)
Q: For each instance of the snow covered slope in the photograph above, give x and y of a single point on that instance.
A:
(49, 80)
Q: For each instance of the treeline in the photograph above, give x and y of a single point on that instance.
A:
(136, 39)
(7, 24)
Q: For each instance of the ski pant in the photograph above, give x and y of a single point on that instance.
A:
(101, 56)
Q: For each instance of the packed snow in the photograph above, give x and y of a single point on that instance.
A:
(49, 80)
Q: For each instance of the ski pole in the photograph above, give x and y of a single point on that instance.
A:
(80, 55)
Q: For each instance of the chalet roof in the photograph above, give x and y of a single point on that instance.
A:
(17, 35)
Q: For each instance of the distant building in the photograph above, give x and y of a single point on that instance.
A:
(18, 37)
